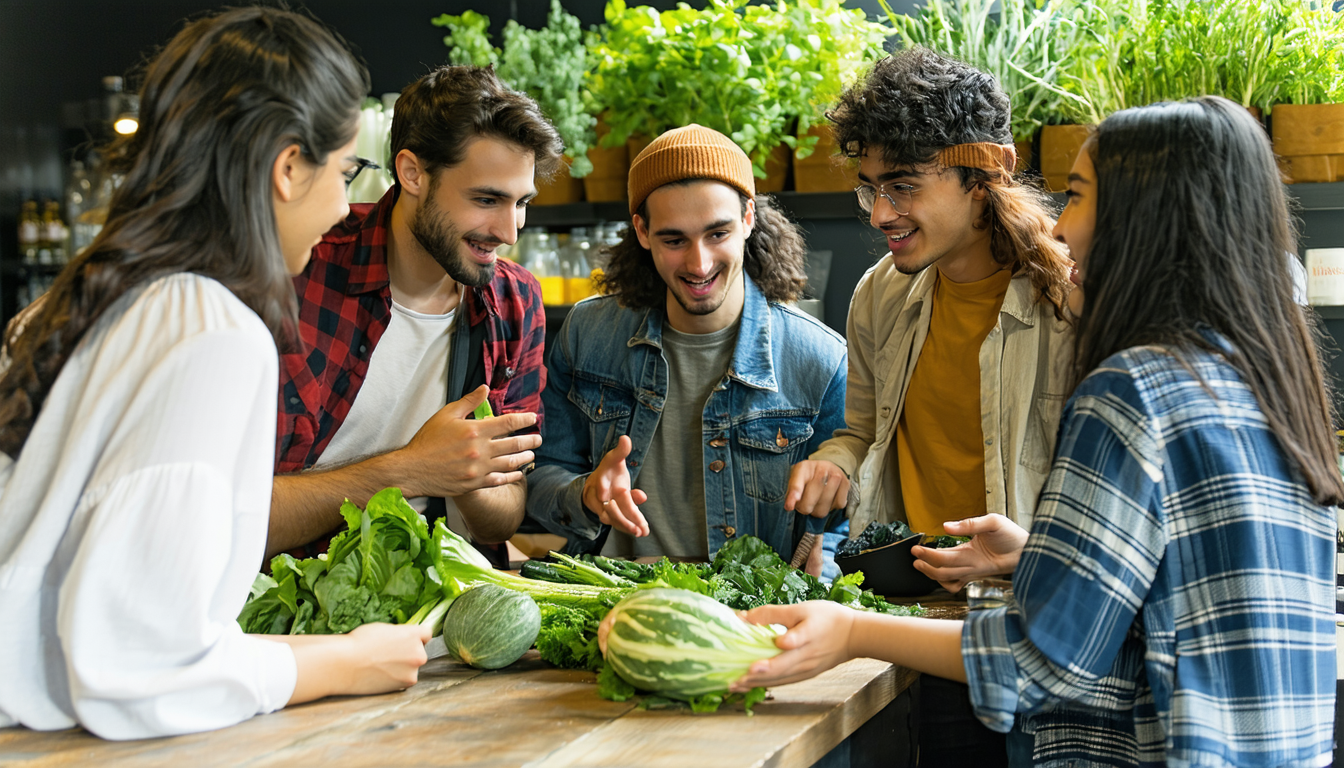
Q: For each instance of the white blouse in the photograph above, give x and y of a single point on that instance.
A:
(134, 520)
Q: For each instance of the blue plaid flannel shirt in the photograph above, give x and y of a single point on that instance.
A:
(1175, 602)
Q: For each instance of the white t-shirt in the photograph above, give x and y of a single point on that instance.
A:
(134, 520)
(407, 382)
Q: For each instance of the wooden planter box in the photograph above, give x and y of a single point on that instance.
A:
(560, 189)
(1309, 140)
(611, 170)
(1059, 148)
(823, 171)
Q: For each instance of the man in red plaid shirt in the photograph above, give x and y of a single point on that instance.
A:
(409, 321)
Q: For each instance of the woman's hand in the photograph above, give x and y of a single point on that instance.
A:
(373, 658)
(817, 640)
(995, 546)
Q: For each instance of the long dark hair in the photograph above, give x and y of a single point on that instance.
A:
(914, 103)
(775, 259)
(1193, 232)
(219, 104)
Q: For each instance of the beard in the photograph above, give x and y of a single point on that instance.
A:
(443, 242)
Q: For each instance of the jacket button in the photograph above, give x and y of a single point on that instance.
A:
(781, 440)
(599, 410)
(729, 531)
(633, 463)
(717, 442)
(717, 466)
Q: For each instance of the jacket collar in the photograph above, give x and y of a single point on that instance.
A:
(752, 364)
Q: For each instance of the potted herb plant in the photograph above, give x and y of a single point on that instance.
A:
(549, 65)
(1308, 121)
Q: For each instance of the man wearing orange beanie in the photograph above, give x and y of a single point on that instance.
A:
(679, 399)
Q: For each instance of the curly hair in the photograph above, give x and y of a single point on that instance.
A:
(915, 103)
(774, 257)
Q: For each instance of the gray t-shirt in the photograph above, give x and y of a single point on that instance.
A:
(674, 473)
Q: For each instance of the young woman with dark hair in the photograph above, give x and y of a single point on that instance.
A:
(1174, 601)
(138, 407)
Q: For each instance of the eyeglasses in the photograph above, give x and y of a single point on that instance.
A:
(360, 165)
(897, 195)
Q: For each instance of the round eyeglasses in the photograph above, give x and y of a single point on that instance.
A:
(899, 196)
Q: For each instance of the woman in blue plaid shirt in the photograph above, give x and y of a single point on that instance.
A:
(1174, 600)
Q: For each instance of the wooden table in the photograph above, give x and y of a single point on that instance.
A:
(530, 714)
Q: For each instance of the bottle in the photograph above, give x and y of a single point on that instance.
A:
(576, 265)
(51, 243)
(78, 198)
(542, 259)
(30, 229)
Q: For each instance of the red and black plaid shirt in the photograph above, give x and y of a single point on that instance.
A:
(345, 304)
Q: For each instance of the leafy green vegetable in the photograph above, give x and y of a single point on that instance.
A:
(380, 569)
(568, 637)
(945, 541)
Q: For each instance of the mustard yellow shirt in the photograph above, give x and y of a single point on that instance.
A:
(940, 449)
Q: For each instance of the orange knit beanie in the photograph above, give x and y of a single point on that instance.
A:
(692, 152)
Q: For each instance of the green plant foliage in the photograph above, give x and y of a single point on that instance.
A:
(750, 72)
(1256, 52)
(1024, 44)
(547, 64)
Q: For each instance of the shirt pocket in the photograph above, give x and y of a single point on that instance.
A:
(769, 446)
(607, 407)
(1038, 448)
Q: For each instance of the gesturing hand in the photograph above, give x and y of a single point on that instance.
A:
(995, 546)
(815, 488)
(452, 455)
(608, 495)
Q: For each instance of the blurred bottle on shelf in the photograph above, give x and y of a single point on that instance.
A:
(30, 232)
(576, 265)
(538, 254)
(51, 235)
(78, 199)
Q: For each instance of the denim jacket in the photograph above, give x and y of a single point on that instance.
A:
(783, 394)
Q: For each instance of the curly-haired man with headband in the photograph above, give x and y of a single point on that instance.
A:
(958, 338)
(409, 320)
(679, 399)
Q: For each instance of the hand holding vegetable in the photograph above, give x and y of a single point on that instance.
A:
(452, 455)
(817, 640)
(816, 488)
(993, 550)
(607, 492)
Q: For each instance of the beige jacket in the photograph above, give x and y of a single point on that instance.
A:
(1024, 374)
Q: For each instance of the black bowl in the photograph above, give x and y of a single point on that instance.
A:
(890, 570)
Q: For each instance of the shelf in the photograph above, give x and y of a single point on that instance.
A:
(1318, 197)
(1329, 313)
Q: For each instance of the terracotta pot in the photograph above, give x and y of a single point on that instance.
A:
(1309, 140)
(636, 144)
(611, 167)
(1059, 148)
(1023, 156)
(823, 170)
(560, 189)
(776, 171)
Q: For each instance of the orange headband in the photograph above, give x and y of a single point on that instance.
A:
(984, 155)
